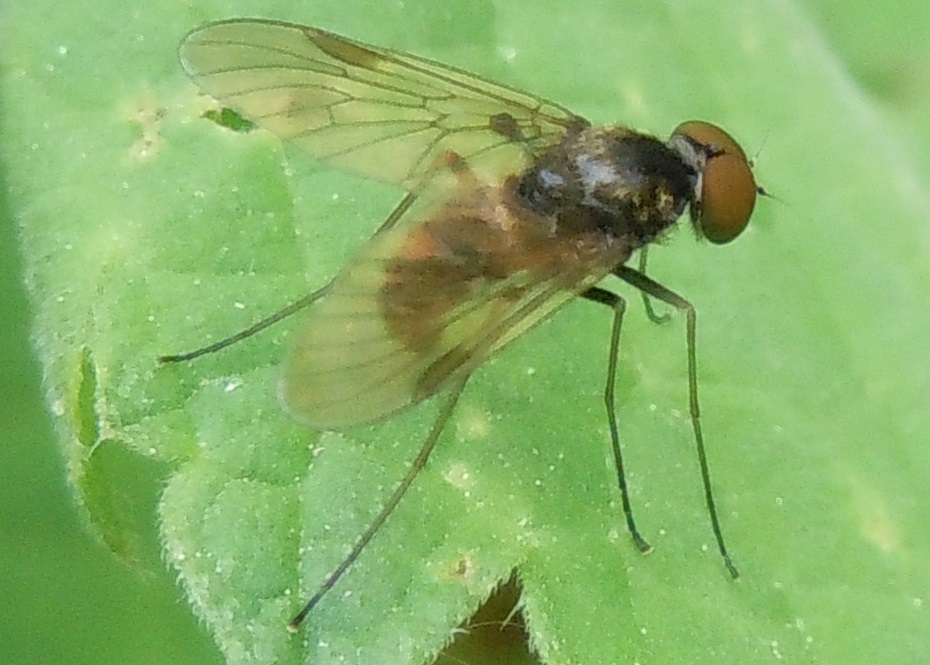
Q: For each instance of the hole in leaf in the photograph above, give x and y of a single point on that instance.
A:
(496, 633)
(226, 117)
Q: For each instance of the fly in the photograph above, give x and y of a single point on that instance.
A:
(514, 205)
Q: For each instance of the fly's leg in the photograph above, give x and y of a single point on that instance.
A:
(448, 160)
(285, 312)
(618, 305)
(647, 302)
(418, 463)
(659, 292)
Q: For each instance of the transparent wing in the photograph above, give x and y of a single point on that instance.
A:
(379, 113)
(392, 332)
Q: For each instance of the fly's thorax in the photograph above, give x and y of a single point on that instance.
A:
(612, 181)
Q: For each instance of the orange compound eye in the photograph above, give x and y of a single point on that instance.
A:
(728, 191)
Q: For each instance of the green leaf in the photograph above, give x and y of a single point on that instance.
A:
(147, 229)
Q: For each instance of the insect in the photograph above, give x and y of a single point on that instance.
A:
(513, 206)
